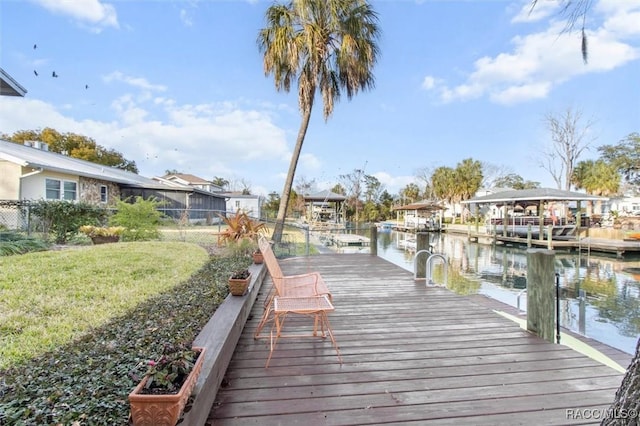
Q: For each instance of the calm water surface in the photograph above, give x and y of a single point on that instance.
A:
(609, 310)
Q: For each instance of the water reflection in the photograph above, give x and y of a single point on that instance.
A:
(608, 311)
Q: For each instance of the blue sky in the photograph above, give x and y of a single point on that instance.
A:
(179, 85)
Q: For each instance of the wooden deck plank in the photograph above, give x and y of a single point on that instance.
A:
(411, 353)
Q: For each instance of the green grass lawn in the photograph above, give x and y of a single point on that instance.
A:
(78, 326)
(49, 298)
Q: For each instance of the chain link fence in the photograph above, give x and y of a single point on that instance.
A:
(205, 227)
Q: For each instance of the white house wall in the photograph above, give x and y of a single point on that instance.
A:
(9, 180)
(250, 206)
(33, 186)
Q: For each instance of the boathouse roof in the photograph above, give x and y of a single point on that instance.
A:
(531, 195)
(325, 195)
(421, 205)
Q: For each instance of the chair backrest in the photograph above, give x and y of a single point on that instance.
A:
(270, 259)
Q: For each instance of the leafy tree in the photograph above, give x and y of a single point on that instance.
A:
(338, 189)
(596, 177)
(385, 205)
(625, 157)
(221, 182)
(569, 139)
(76, 146)
(514, 181)
(373, 188)
(410, 193)
(468, 178)
(354, 183)
(444, 183)
(326, 45)
(270, 207)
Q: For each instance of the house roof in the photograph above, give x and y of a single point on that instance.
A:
(421, 205)
(532, 195)
(192, 179)
(10, 87)
(325, 195)
(37, 158)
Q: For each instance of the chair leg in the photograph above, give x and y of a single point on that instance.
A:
(263, 321)
(325, 320)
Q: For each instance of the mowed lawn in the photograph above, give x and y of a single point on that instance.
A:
(48, 299)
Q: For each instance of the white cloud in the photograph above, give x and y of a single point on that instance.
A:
(185, 17)
(137, 82)
(223, 139)
(428, 83)
(393, 184)
(89, 12)
(540, 61)
(530, 13)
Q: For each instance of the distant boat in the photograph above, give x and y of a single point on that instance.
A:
(385, 226)
(408, 244)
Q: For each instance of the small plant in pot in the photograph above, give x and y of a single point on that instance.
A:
(239, 282)
(162, 393)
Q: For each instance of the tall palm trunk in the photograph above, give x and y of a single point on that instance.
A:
(286, 191)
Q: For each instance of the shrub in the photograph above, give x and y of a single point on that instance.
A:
(141, 219)
(64, 218)
(15, 243)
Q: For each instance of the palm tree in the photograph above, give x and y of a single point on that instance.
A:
(597, 178)
(326, 45)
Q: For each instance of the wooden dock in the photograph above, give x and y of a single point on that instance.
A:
(350, 240)
(412, 354)
(618, 248)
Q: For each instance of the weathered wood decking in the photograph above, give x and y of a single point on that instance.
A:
(412, 355)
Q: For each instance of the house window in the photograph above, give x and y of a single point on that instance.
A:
(103, 194)
(237, 204)
(60, 190)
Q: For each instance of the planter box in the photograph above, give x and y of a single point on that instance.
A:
(239, 286)
(163, 410)
(105, 239)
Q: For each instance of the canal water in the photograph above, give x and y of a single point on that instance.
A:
(599, 297)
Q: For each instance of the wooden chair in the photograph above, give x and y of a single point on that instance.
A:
(301, 285)
(302, 294)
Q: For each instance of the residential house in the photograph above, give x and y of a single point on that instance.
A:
(246, 203)
(32, 172)
(10, 87)
(194, 181)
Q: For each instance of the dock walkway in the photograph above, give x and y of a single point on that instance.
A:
(412, 355)
(619, 248)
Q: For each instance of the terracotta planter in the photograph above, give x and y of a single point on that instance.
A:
(239, 286)
(104, 239)
(258, 257)
(163, 410)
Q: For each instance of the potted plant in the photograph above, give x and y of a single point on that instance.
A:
(258, 258)
(102, 234)
(162, 393)
(242, 233)
(239, 282)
